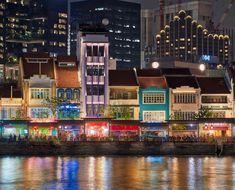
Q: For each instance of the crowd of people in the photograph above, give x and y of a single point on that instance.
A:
(64, 137)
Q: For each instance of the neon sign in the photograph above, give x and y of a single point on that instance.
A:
(206, 57)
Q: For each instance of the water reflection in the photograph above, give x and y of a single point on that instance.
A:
(94, 173)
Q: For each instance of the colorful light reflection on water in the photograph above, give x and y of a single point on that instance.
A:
(94, 173)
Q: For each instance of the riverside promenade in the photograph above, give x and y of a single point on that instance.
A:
(113, 148)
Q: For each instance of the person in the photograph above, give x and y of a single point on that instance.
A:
(10, 137)
(14, 137)
(19, 138)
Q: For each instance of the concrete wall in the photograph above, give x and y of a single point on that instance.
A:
(113, 148)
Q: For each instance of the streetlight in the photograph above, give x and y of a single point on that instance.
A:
(155, 65)
(202, 67)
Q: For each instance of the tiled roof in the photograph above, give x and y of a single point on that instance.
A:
(149, 73)
(176, 71)
(178, 81)
(30, 69)
(159, 82)
(5, 91)
(67, 77)
(122, 78)
(62, 58)
(36, 55)
(216, 85)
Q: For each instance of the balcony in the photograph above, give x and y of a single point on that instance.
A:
(124, 102)
(95, 99)
(95, 60)
(95, 79)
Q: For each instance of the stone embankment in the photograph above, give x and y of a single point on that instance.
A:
(113, 148)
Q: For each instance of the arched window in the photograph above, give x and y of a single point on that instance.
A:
(60, 93)
(76, 94)
(68, 93)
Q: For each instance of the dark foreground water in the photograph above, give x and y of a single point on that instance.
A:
(124, 173)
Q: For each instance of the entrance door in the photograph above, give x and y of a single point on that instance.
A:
(223, 133)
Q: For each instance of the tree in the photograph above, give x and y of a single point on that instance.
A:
(204, 112)
(54, 104)
(20, 114)
(117, 112)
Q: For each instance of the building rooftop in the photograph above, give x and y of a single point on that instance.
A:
(159, 82)
(149, 73)
(176, 71)
(122, 78)
(31, 69)
(67, 77)
(36, 55)
(5, 91)
(63, 58)
(216, 85)
(179, 81)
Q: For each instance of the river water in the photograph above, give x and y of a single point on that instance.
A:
(121, 173)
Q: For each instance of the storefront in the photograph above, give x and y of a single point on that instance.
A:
(154, 130)
(43, 128)
(183, 129)
(14, 129)
(70, 129)
(216, 129)
(124, 129)
(97, 128)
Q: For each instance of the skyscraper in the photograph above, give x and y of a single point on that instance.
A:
(121, 19)
(32, 26)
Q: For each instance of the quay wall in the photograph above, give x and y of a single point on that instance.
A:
(112, 148)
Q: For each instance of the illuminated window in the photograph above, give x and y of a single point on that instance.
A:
(184, 98)
(39, 93)
(154, 116)
(154, 98)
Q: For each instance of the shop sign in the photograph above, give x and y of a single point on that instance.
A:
(216, 126)
(124, 128)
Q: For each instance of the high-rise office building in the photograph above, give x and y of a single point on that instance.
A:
(32, 26)
(186, 40)
(121, 19)
(154, 19)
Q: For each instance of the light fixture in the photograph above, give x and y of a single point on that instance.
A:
(202, 67)
(155, 65)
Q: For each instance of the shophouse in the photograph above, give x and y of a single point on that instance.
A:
(38, 83)
(123, 102)
(184, 103)
(154, 102)
(216, 96)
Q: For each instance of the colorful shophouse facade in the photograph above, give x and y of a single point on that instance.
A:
(153, 102)
(184, 103)
(124, 103)
(217, 97)
(38, 83)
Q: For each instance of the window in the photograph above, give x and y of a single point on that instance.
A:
(184, 98)
(8, 112)
(39, 93)
(178, 115)
(214, 99)
(154, 116)
(68, 93)
(154, 98)
(39, 113)
(76, 94)
(218, 114)
(60, 93)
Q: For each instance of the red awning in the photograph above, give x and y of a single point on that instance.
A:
(124, 128)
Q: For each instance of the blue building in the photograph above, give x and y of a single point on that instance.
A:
(154, 102)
